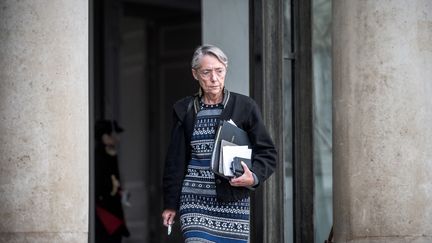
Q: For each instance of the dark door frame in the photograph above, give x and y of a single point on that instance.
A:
(302, 122)
(267, 222)
(267, 68)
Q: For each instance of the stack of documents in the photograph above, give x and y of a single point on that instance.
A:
(230, 142)
(227, 154)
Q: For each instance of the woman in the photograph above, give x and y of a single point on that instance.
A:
(211, 208)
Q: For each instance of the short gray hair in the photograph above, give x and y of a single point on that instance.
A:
(207, 49)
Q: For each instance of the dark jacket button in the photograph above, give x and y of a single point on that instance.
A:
(218, 181)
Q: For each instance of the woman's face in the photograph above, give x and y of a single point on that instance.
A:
(210, 75)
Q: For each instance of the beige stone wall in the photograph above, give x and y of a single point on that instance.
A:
(382, 52)
(44, 157)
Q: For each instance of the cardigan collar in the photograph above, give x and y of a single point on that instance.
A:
(199, 94)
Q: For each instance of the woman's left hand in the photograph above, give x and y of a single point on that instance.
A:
(245, 180)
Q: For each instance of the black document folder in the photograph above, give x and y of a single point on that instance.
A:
(231, 133)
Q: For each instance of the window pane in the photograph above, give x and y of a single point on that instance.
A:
(322, 117)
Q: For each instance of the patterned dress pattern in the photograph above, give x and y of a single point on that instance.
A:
(204, 218)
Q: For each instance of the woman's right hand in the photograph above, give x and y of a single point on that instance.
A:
(168, 216)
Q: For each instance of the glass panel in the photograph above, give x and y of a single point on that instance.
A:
(322, 117)
(288, 167)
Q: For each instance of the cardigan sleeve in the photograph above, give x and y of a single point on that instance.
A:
(263, 150)
(174, 165)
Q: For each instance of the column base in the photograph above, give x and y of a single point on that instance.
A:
(41, 237)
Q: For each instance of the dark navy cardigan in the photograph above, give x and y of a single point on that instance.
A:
(245, 113)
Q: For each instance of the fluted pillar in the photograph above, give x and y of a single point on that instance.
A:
(382, 120)
(44, 150)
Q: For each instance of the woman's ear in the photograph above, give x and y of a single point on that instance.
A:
(194, 73)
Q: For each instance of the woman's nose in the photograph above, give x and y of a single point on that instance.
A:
(214, 76)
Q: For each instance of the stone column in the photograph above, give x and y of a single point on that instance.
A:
(382, 111)
(44, 123)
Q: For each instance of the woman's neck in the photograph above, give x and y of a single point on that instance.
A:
(212, 99)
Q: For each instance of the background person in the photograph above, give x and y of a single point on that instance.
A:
(110, 222)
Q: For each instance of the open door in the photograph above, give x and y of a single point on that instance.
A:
(142, 54)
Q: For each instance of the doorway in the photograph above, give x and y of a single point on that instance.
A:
(142, 52)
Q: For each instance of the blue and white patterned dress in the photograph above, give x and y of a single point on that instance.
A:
(204, 218)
